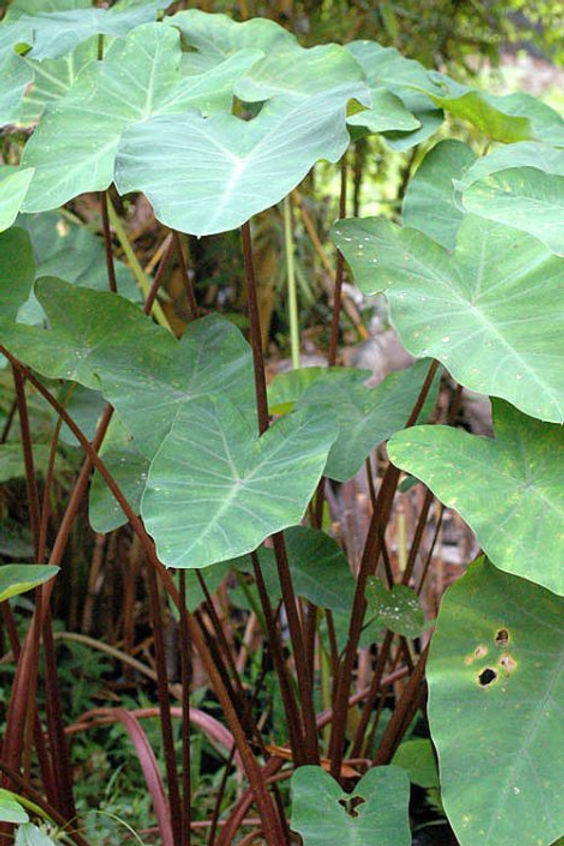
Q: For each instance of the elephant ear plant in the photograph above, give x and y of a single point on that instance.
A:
(216, 121)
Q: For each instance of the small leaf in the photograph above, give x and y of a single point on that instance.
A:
(10, 809)
(17, 271)
(509, 490)
(417, 757)
(19, 578)
(397, 609)
(496, 688)
(237, 488)
(374, 814)
(29, 834)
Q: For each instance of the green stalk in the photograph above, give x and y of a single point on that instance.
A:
(136, 268)
(291, 277)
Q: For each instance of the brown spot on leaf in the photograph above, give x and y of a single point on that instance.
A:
(480, 652)
(507, 662)
(502, 638)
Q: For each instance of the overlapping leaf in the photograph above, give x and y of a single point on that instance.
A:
(522, 186)
(320, 570)
(365, 416)
(14, 182)
(216, 491)
(19, 578)
(140, 76)
(208, 175)
(487, 311)
(393, 81)
(509, 490)
(57, 32)
(17, 271)
(497, 668)
(397, 609)
(429, 203)
(320, 808)
(14, 72)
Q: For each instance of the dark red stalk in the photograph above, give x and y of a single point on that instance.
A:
(370, 556)
(269, 817)
(185, 673)
(108, 242)
(30, 477)
(152, 295)
(375, 685)
(334, 339)
(164, 707)
(193, 305)
(284, 575)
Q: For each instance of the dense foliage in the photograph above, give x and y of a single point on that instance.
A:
(227, 487)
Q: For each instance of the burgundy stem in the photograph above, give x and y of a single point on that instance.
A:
(108, 242)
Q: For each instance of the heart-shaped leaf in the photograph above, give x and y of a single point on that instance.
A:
(365, 416)
(397, 609)
(320, 570)
(429, 203)
(374, 814)
(19, 578)
(509, 490)
(14, 72)
(17, 271)
(495, 669)
(140, 76)
(208, 175)
(236, 488)
(487, 311)
(14, 182)
(392, 80)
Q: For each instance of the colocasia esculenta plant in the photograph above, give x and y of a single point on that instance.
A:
(215, 121)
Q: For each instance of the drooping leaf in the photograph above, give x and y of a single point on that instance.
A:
(320, 570)
(529, 154)
(14, 182)
(10, 809)
(19, 578)
(29, 834)
(417, 757)
(140, 76)
(508, 489)
(323, 813)
(237, 488)
(56, 33)
(429, 202)
(397, 609)
(496, 687)
(392, 78)
(17, 271)
(492, 300)
(215, 37)
(547, 124)
(208, 175)
(14, 72)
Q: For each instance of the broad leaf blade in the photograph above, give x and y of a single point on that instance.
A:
(14, 182)
(492, 300)
(17, 271)
(320, 815)
(509, 490)
(496, 670)
(397, 609)
(236, 488)
(10, 809)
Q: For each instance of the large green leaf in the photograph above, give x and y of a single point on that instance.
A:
(324, 814)
(17, 270)
(14, 182)
(207, 175)
(530, 154)
(212, 38)
(429, 203)
(509, 490)
(19, 578)
(320, 570)
(365, 416)
(236, 488)
(17, 8)
(496, 686)
(140, 76)
(487, 310)
(58, 32)
(14, 72)
(392, 80)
